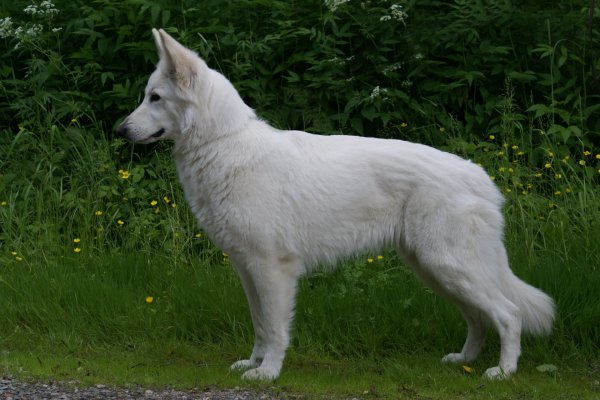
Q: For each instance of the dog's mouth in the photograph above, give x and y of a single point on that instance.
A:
(158, 133)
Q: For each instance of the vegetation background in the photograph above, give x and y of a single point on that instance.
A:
(100, 258)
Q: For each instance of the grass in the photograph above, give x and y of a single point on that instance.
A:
(418, 375)
(368, 330)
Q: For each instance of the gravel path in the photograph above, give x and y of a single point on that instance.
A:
(13, 389)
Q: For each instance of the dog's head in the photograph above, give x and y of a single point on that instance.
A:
(169, 96)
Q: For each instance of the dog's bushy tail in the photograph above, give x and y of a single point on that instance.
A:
(537, 308)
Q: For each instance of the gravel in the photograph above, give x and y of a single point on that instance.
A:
(14, 389)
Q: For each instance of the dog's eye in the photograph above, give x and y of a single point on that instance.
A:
(154, 97)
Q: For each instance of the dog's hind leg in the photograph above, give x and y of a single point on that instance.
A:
(484, 302)
(483, 298)
(477, 328)
(275, 287)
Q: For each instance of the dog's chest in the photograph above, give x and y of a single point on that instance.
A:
(208, 194)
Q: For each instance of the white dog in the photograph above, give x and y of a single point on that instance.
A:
(281, 203)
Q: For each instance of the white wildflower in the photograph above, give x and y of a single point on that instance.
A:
(6, 27)
(377, 91)
(398, 13)
(45, 8)
(334, 4)
(48, 7)
(33, 31)
(392, 68)
(31, 9)
(385, 18)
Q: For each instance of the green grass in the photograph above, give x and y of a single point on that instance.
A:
(416, 375)
(367, 330)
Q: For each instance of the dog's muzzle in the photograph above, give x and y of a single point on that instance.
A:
(122, 129)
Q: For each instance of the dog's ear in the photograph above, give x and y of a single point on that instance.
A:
(181, 63)
(158, 42)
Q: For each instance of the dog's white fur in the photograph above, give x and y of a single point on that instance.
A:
(281, 203)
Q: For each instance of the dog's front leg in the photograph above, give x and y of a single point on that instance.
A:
(259, 349)
(275, 294)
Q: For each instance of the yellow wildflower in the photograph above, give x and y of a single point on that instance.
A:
(198, 235)
(153, 203)
(581, 162)
(166, 199)
(4, 204)
(403, 125)
(492, 137)
(120, 222)
(379, 258)
(18, 258)
(547, 165)
(369, 260)
(76, 240)
(98, 213)
(442, 129)
(77, 250)
(149, 299)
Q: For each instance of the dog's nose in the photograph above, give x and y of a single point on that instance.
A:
(122, 129)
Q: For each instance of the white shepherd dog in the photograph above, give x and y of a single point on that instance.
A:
(281, 203)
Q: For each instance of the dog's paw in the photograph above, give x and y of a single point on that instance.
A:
(260, 374)
(497, 374)
(454, 358)
(243, 365)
